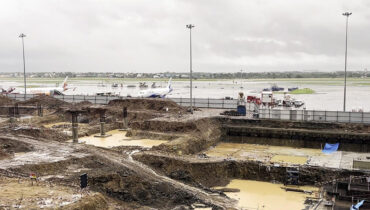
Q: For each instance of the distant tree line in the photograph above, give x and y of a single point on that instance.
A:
(196, 75)
(276, 75)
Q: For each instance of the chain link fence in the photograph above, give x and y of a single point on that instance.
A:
(281, 114)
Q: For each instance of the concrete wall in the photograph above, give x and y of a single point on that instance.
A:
(313, 115)
(307, 134)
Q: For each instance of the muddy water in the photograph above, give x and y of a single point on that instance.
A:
(56, 124)
(275, 154)
(267, 196)
(118, 138)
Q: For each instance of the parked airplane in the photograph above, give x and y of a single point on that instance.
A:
(156, 92)
(49, 90)
(7, 91)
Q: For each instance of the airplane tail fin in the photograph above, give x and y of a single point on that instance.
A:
(65, 84)
(169, 84)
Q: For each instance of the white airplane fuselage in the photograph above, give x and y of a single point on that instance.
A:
(156, 92)
(47, 90)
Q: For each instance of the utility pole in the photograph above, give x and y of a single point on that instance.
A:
(190, 26)
(241, 78)
(347, 14)
(24, 66)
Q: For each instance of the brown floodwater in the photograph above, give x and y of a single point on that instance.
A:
(58, 123)
(275, 154)
(267, 196)
(118, 138)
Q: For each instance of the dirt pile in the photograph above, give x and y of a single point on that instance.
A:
(148, 104)
(45, 101)
(201, 134)
(83, 104)
(4, 100)
(9, 147)
(90, 202)
(38, 133)
(21, 193)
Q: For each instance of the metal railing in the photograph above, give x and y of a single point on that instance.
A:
(315, 115)
(197, 102)
(281, 114)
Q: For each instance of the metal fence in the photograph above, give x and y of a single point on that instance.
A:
(314, 115)
(281, 114)
(197, 102)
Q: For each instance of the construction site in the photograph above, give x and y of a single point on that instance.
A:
(154, 154)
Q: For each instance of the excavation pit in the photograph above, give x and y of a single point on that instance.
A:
(284, 155)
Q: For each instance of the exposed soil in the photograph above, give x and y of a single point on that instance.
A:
(198, 171)
(45, 101)
(39, 132)
(196, 135)
(4, 100)
(148, 104)
(110, 173)
(123, 177)
(9, 147)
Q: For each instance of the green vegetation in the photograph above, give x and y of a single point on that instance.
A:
(29, 86)
(98, 80)
(298, 91)
(302, 91)
(362, 84)
(294, 81)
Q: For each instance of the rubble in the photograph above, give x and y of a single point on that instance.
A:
(176, 174)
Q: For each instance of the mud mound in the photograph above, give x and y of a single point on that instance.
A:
(41, 133)
(46, 101)
(147, 104)
(4, 100)
(8, 147)
(202, 134)
(90, 202)
(83, 104)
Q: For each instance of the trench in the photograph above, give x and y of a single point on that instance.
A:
(266, 153)
(171, 163)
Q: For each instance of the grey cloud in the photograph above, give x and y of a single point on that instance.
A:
(150, 36)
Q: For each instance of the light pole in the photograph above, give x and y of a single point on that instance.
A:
(347, 14)
(24, 66)
(241, 78)
(190, 26)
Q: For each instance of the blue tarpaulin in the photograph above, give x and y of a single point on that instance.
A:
(330, 148)
(358, 205)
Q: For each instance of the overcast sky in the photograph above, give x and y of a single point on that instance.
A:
(150, 35)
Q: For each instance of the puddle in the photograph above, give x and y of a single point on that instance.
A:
(279, 154)
(119, 138)
(267, 196)
(57, 124)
